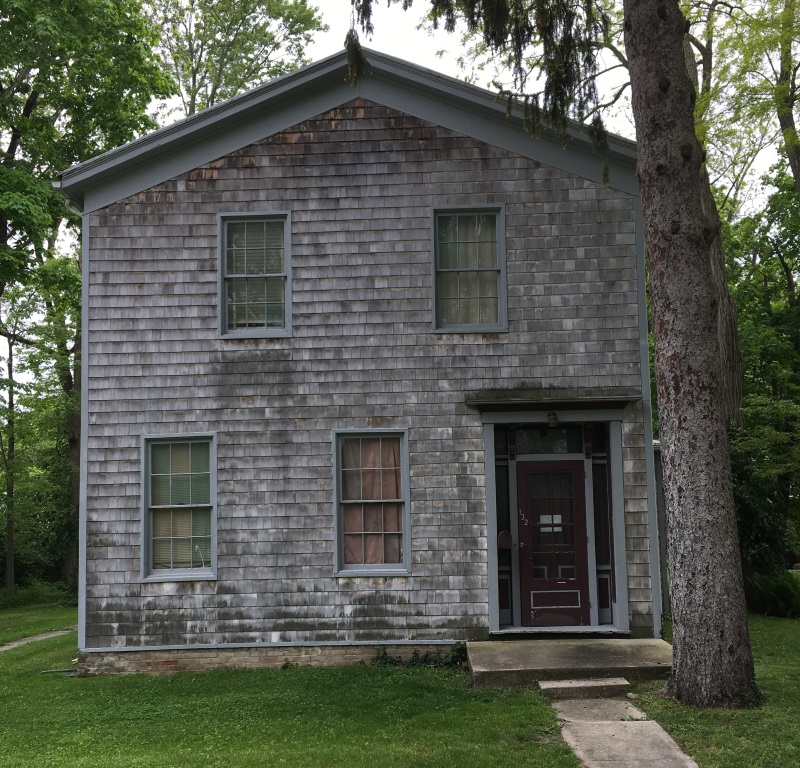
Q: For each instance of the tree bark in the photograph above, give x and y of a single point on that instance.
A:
(9, 467)
(712, 659)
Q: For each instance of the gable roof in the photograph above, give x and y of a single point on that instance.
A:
(281, 103)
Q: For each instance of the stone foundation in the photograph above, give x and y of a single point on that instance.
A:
(161, 662)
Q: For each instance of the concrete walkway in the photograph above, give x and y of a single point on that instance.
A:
(34, 638)
(609, 733)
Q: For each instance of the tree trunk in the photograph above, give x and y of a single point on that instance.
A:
(712, 659)
(70, 563)
(9, 466)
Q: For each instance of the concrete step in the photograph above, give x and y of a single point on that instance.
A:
(524, 662)
(596, 688)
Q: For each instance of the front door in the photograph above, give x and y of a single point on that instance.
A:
(554, 578)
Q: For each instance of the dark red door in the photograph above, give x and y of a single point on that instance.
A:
(553, 564)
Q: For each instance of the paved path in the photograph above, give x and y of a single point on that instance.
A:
(34, 638)
(609, 733)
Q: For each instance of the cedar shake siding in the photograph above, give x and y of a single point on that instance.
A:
(358, 187)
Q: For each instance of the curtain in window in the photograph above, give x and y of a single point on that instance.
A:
(371, 500)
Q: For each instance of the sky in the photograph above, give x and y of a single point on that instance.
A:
(395, 35)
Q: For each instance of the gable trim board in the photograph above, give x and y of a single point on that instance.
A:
(122, 173)
(298, 96)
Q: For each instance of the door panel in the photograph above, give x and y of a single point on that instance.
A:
(554, 579)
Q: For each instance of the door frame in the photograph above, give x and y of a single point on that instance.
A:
(613, 418)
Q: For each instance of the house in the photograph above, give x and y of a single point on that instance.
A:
(363, 366)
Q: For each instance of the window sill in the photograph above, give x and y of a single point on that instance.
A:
(187, 574)
(471, 329)
(347, 573)
(278, 333)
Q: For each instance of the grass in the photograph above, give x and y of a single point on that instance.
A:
(27, 620)
(355, 716)
(763, 737)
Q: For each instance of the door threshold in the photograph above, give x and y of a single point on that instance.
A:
(603, 630)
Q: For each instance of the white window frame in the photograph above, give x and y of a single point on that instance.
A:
(502, 282)
(371, 569)
(176, 574)
(223, 219)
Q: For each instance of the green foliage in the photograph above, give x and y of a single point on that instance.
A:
(455, 657)
(763, 266)
(217, 49)
(774, 594)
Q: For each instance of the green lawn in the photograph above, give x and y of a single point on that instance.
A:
(765, 737)
(354, 716)
(27, 620)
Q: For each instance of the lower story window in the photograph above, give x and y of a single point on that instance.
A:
(372, 501)
(179, 489)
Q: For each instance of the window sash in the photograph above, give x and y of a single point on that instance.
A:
(255, 280)
(180, 513)
(467, 269)
(371, 501)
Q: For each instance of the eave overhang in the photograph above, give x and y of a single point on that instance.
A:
(317, 88)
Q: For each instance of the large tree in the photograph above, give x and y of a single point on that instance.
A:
(76, 78)
(218, 48)
(712, 659)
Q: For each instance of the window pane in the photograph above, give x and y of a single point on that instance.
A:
(469, 312)
(371, 452)
(256, 290)
(448, 312)
(236, 234)
(487, 228)
(351, 514)
(162, 553)
(201, 523)
(275, 287)
(180, 490)
(275, 316)
(390, 483)
(468, 285)
(181, 522)
(255, 234)
(159, 490)
(159, 459)
(393, 548)
(180, 461)
(201, 553)
(487, 255)
(201, 489)
(353, 549)
(448, 256)
(273, 235)
(467, 255)
(488, 310)
(273, 260)
(371, 484)
(373, 518)
(351, 484)
(181, 553)
(256, 315)
(447, 285)
(392, 518)
(373, 548)
(447, 229)
(467, 228)
(200, 457)
(256, 261)
(487, 282)
(162, 523)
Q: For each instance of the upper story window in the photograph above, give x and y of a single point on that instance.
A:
(469, 270)
(179, 508)
(372, 502)
(256, 275)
